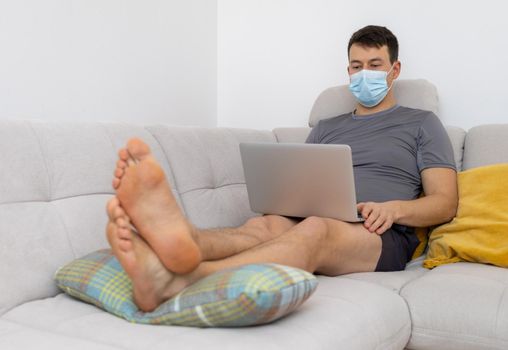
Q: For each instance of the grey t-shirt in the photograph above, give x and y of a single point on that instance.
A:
(390, 149)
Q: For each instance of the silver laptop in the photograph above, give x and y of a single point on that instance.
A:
(302, 180)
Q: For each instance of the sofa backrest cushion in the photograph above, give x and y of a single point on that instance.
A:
(208, 171)
(338, 100)
(485, 145)
(55, 181)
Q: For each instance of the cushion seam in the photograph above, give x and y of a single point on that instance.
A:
(13, 331)
(469, 276)
(409, 282)
(395, 336)
(106, 131)
(50, 185)
(62, 221)
(212, 188)
(463, 336)
(374, 283)
(58, 199)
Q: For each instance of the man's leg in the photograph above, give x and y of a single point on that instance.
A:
(220, 243)
(146, 196)
(147, 199)
(318, 245)
(152, 282)
(325, 246)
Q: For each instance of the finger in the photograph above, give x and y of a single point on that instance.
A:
(367, 210)
(377, 224)
(383, 228)
(373, 216)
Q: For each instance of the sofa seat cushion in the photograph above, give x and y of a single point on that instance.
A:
(14, 336)
(392, 280)
(459, 306)
(342, 314)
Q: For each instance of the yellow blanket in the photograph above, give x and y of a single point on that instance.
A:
(479, 232)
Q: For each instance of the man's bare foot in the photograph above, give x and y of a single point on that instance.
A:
(152, 283)
(124, 160)
(145, 194)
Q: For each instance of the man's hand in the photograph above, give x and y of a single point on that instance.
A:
(379, 217)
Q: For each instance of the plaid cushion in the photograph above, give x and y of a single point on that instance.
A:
(246, 295)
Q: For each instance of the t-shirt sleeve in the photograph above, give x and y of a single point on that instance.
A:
(314, 136)
(434, 146)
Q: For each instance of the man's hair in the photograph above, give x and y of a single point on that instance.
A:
(376, 36)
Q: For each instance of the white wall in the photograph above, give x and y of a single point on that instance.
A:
(238, 63)
(151, 61)
(276, 56)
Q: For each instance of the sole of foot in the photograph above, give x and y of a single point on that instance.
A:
(152, 283)
(145, 195)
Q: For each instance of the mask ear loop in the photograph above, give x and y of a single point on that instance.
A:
(393, 81)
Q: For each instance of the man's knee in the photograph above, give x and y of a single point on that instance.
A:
(321, 230)
(315, 226)
(278, 224)
(321, 237)
(258, 222)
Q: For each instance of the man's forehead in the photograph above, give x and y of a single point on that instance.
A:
(365, 53)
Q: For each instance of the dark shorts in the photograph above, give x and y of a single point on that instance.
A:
(398, 246)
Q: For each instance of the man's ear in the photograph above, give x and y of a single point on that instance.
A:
(396, 69)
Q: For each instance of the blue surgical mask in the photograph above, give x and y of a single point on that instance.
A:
(369, 86)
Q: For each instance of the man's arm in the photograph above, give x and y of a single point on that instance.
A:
(438, 206)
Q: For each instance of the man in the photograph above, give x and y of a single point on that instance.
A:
(397, 153)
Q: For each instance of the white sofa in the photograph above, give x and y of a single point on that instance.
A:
(55, 180)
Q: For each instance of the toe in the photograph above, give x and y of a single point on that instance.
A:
(118, 212)
(119, 172)
(122, 164)
(124, 233)
(112, 204)
(116, 183)
(122, 222)
(125, 245)
(138, 149)
(123, 154)
(111, 234)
